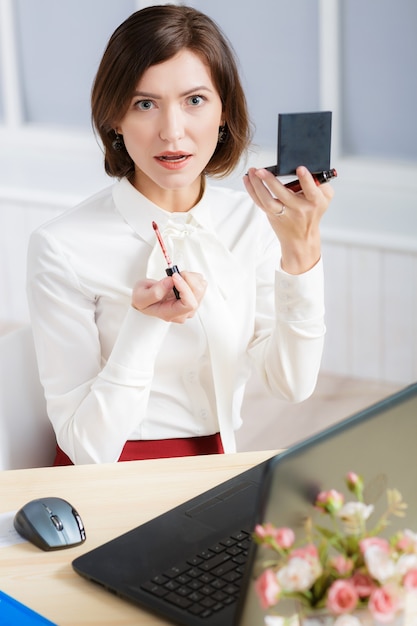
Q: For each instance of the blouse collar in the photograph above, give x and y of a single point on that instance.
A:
(139, 212)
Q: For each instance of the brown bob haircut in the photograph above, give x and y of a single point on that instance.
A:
(151, 36)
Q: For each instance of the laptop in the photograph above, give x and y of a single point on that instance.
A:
(195, 564)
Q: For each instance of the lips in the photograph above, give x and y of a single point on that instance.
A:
(173, 160)
(172, 157)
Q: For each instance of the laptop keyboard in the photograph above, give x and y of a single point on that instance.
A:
(207, 582)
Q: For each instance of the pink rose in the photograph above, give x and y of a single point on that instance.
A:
(383, 544)
(342, 597)
(410, 580)
(263, 530)
(363, 584)
(342, 564)
(329, 501)
(407, 541)
(355, 484)
(352, 478)
(308, 551)
(384, 603)
(267, 589)
(284, 537)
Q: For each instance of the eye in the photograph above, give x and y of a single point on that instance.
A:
(196, 100)
(144, 105)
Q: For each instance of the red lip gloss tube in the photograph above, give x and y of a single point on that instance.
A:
(319, 177)
(171, 269)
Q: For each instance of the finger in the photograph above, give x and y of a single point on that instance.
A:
(247, 181)
(268, 192)
(259, 193)
(193, 281)
(308, 184)
(311, 189)
(327, 190)
(310, 192)
(148, 292)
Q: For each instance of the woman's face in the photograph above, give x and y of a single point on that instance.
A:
(171, 129)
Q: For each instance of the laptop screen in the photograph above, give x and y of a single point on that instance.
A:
(379, 444)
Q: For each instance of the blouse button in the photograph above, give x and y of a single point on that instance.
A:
(191, 376)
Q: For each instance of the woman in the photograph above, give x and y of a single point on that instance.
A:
(130, 370)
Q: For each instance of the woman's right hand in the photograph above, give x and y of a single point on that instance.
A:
(157, 299)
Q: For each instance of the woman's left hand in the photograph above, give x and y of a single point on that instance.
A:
(294, 217)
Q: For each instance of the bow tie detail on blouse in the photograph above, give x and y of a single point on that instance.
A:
(194, 248)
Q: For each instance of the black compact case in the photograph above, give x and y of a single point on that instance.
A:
(303, 139)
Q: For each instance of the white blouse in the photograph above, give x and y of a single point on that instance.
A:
(111, 373)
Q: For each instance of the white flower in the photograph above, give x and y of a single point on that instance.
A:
(274, 620)
(278, 620)
(411, 536)
(299, 574)
(405, 563)
(357, 510)
(380, 564)
(347, 620)
(353, 514)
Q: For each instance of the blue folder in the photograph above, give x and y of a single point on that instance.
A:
(13, 612)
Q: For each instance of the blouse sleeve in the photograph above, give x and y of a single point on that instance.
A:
(289, 333)
(93, 405)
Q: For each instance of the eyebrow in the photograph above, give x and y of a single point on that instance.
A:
(154, 96)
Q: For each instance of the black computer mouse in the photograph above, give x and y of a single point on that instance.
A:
(50, 524)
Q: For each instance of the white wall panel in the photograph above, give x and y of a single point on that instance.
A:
(371, 312)
(337, 354)
(366, 286)
(17, 221)
(399, 313)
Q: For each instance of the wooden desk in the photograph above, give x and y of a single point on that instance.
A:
(111, 500)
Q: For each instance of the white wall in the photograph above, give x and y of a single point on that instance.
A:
(370, 232)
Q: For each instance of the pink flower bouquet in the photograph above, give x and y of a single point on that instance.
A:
(346, 567)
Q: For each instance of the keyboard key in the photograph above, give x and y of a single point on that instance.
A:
(179, 601)
(205, 554)
(218, 548)
(173, 572)
(206, 582)
(215, 561)
(223, 569)
(155, 590)
(232, 576)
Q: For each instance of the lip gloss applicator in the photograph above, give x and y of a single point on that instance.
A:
(171, 269)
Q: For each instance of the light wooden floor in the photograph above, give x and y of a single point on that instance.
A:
(269, 423)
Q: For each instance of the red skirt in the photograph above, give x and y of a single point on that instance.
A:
(159, 449)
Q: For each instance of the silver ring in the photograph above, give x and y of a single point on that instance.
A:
(279, 213)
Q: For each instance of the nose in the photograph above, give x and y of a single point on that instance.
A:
(172, 126)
